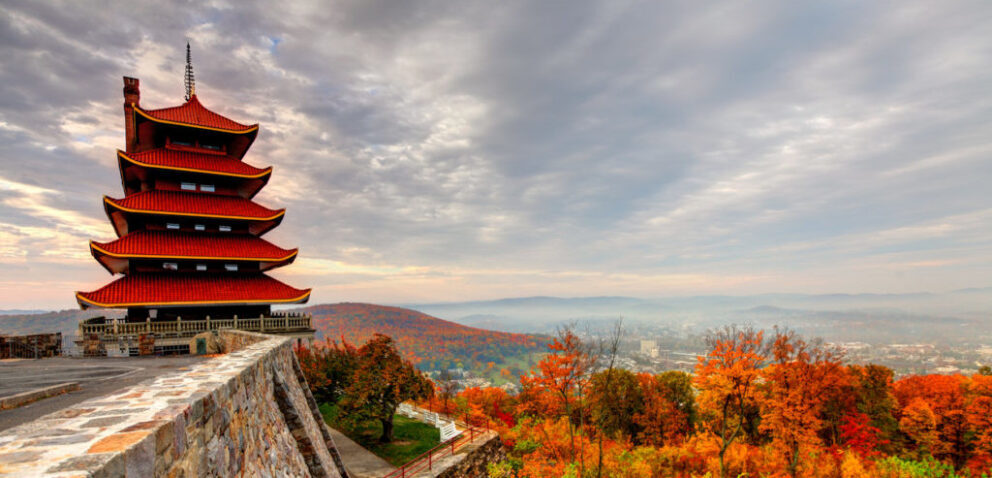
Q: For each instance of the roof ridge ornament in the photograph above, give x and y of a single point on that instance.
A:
(188, 80)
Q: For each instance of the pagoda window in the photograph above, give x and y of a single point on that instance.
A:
(200, 227)
(215, 147)
(181, 143)
(172, 226)
(207, 188)
(224, 228)
(188, 186)
(170, 266)
(231, 267)
(201, 267)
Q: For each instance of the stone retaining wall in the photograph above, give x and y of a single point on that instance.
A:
(246, 412)
(474, 460)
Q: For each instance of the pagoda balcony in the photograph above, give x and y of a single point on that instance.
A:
(170, 334)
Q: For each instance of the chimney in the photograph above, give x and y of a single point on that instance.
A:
(131, 92)
(132, 96)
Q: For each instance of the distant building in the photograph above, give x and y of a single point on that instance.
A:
(648, 347)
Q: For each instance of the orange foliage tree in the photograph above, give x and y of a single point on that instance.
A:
(979, 415)
(793, 396)
(561, 377)
(919, 423)
(726, 379)
(945, 397)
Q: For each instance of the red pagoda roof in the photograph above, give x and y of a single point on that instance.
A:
(193, 162)
(193, 204)
(164, 289)
(194, 114)
(182, 245)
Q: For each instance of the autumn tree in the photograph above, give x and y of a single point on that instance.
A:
(669, 412)
(328, 368)
(979, 415)
(945, 396)
(481, 404)
(726, 379)
(919, 423)
(874, 397)
(615, 398)
(381, 381)
(563, 373)
(795, 384)
(858, 434)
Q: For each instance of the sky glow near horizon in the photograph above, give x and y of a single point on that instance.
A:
(446, 151)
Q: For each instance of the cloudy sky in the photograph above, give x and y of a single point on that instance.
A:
(444, 151)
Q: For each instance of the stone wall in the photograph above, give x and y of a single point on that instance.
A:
(247, 412)
(31, 346)
(473, 462)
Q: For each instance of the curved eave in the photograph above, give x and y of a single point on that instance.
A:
(85, 303)
(124, 157)
(116, 263)
(110, 202)
(261, 178)
(112, 208)
(252, 129)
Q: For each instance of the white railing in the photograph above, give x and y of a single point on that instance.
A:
(276, 323)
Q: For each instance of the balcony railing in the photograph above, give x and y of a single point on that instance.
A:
(111, 330)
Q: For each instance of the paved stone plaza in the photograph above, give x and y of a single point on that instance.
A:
(96, 377)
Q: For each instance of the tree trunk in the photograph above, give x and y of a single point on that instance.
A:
(387, 430)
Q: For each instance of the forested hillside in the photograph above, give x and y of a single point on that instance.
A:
(429, 342)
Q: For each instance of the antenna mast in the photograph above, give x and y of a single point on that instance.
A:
(189, 81)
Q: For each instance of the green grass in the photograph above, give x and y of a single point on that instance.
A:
(410, 437)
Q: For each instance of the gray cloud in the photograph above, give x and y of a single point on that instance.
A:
(440, 151)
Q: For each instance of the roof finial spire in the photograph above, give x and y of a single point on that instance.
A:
(190, 83)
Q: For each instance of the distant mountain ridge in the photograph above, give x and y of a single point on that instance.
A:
(953, 315)
(65, 321)
(21, 311)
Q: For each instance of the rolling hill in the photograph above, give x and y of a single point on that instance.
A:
(431, 343)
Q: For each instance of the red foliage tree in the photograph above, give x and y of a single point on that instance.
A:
(858, 434)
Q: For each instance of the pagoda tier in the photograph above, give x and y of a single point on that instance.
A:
(188, 124)
(147, 249)
(194, 114)
(157, 209)
(169, 167)
(167, 290)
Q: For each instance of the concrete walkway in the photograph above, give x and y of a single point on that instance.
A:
(360, 462)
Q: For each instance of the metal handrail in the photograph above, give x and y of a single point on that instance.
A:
(447, 448)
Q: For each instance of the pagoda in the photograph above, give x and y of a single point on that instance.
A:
(189, 241)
